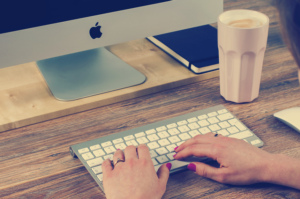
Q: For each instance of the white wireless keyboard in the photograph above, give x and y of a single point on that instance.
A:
(162, 137)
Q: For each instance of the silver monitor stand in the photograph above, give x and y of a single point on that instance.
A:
(87, 73)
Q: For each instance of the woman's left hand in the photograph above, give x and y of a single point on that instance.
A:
(136, 177)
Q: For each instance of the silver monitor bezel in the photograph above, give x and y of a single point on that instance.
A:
(68, 37)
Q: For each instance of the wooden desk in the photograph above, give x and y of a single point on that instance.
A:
(35, 161)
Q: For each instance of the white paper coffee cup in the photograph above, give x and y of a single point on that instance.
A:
(242, 41)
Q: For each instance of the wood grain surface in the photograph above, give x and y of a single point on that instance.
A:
(35, 161)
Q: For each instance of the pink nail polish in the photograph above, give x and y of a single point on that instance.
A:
(169, 165)
(174, 155)
(118, 149)
(192, 167)
(176, 148)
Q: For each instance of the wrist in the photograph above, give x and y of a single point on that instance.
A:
(283, 170)
(272, 167)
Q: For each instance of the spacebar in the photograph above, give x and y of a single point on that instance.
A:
(177, 164)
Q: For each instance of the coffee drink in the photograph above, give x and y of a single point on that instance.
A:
(245, 23)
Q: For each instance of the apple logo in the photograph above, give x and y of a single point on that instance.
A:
(95, 31)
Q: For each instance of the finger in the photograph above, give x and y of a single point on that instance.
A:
(118, 155)
(199, 139)
(163, 173)
(207, 171)
(143, 152)
(198, 150)
(130, 152)
(106, 168)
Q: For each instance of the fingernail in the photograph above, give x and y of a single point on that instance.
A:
(118, 149)
(174, 155)
(192, 167)
(169, 165)
(176, 148)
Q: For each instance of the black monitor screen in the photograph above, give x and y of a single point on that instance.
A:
(22, 14)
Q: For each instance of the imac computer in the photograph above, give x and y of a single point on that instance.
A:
(66, 38)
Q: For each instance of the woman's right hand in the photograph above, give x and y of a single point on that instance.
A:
(240, 162)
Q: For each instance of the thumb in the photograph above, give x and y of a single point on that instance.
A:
(205, 170)
(163, 173)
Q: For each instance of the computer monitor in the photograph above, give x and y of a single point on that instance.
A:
(66, 37)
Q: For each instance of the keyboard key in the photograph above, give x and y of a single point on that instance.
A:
(110, 156)
(223, 132)
(235, 122)
(99, 153)
(116, 141)
(151, 131)
(224, 124)
(232, 130)
(177, 164)
(110, 149)
(173, 125)
(121, 146)
(191, 120)
(163, 142)
(97, 169)
(138, 135)
(193, 126)
(84, 150)
(254, 142)
(204, 130)
(97, 146)
(129, 137)
(153, 154)
(183, 122)
(173, 131)
(194, 133)
(203, 123)
(153, 137)
(154, 161)
(162, 159)
(241, 135)
(225, 116)
(240, 126)
(214, 127)
(162, 128)
(212, 114)
(142, 140)
(153, 145)
(87, 156)
(161, 151)
(171, 147)
(184, 136)
(213, 120)
(105, 144)
(174, 139)
(184, 128)
(222, 111)
(202, 117)
(95, 162)
(100, 177)
(132, 142)
(163, 134)
(179, 143)
(170, 156)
